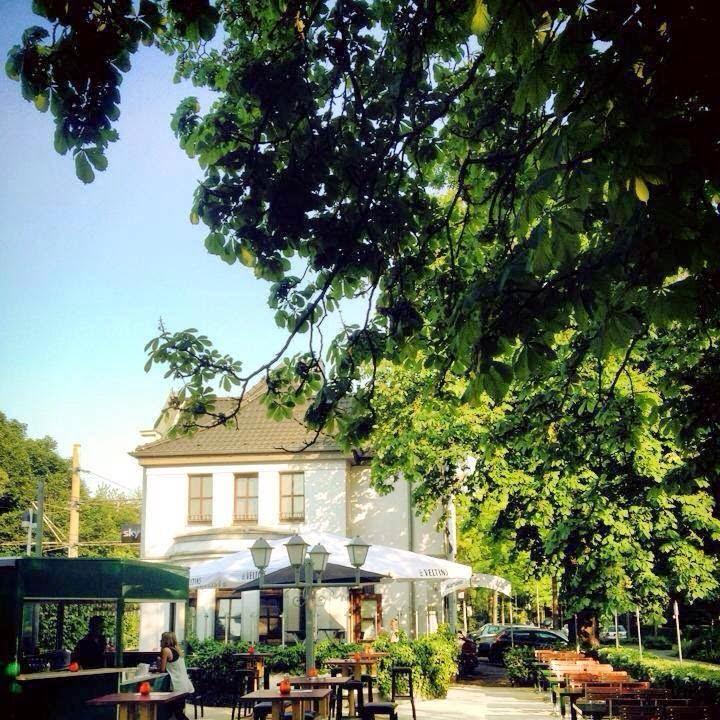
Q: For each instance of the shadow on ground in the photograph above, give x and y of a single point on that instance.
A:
(486, 674)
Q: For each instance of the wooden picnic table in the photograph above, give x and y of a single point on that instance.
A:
(296, 698)
(594, 709)
(134, 706)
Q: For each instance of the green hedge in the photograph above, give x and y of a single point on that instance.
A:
(433, 659)
(685, 680)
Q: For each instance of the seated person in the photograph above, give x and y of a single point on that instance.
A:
(89, 653)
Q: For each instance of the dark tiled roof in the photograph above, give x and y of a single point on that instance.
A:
(252, 432)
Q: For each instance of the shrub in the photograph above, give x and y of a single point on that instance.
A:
(433, 659)
(325, 649)
(684, 680)
(704, 647)
(520, 665)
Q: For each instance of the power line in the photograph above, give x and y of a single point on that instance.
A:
(106, 479)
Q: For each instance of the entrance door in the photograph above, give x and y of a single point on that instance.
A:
(269, 621)
(366, 611)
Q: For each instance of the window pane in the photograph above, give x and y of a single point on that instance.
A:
(252, 508)
(298, 507)
(194, 509)
(206, 508)
(194, 486)
(240, 485)
(285, 484)
(298, 482)
(286, 506)
(207, 485)
(252, 487)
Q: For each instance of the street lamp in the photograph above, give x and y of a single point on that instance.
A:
(357, 550)
(296, 548)
(319, 558)
(261, 550)
(312, 563)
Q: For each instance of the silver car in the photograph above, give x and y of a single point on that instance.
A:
(608, 634)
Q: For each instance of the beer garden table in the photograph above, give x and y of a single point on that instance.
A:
(134, 706)
(295, 697)
(258, 664)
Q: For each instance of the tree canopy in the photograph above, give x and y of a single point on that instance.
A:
(482, 174)
(584, 481)
(524, 195)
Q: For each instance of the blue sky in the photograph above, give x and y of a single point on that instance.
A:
(87, 271)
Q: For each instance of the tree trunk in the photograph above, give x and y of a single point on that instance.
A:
(495, 608)
(555, 615)
(587, 629)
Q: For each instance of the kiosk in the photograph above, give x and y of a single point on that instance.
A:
(38, 603)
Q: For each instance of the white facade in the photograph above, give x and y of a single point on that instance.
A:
(338, 498)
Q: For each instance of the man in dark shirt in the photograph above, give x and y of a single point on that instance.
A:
(90, 651)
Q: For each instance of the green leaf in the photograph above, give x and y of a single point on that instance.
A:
(14, 63)
(96, 157)
(60, 140)
(42, 101)
(83, 169)
(542, 257)
(215, 243)
(497, 380)
(533, 91)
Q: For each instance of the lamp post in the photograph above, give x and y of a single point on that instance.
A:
(313, 565)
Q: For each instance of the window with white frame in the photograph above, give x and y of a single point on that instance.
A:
(246, 498)
(292, 496)
(199, 498)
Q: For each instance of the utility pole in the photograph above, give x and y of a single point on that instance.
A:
(74, 528)
(40, 517)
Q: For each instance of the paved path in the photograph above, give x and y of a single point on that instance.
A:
(464, 702)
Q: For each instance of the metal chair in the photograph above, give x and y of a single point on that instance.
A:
(197, 697)
(368, 710)
(402, 673)
(243, 683)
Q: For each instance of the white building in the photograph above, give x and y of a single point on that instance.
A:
(213, 493)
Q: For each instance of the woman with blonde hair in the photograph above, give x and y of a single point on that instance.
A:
(173, 663)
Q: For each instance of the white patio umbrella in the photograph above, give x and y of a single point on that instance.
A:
(238, 570)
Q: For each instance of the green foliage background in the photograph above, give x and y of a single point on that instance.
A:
(432, 659)
(23, 461)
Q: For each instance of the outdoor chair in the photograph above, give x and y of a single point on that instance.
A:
(369, 680)
(197, 697)
(369, 710)
(402, 674)
(243, 683)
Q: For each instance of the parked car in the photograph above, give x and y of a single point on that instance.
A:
(608, 634)
(523, 637)
(486, 634)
